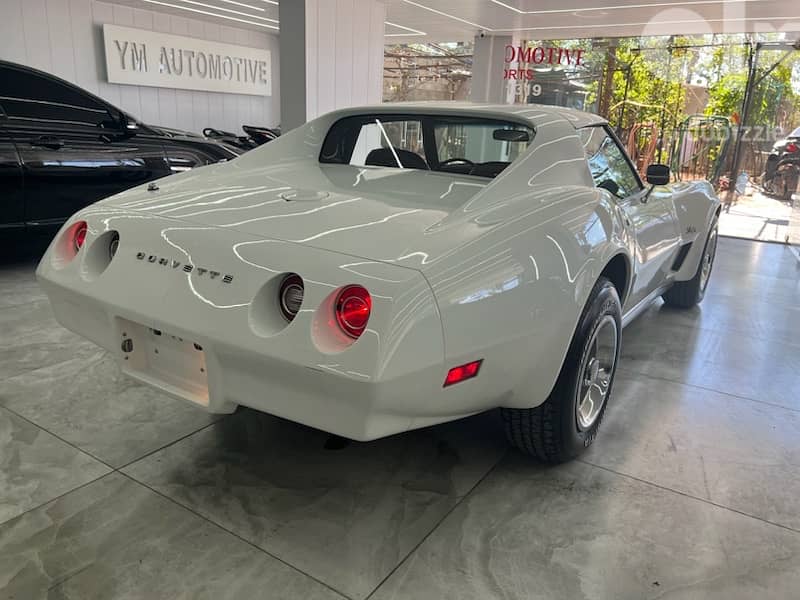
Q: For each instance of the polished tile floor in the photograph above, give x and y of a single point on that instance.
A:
(692, 490)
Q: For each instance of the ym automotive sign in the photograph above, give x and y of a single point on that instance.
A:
(141, 57)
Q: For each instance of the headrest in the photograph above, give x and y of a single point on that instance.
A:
(383, 157)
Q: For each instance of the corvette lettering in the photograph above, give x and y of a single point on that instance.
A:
(186, 268)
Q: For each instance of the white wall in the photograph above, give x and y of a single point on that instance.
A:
(64, 37)
(344, 54)
(334, 58)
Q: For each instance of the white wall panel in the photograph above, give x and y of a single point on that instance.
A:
(343, 61)
(37, 40)
(59, 26)
(12, 38)
(64, 37)
(375, 47)
(345, 48)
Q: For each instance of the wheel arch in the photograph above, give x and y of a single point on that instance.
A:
(618, 271)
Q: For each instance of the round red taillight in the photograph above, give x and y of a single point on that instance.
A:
(353, 307)
(79, 235)
(792, 147)
(290, 296)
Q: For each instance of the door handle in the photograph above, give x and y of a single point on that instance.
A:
(49, 141)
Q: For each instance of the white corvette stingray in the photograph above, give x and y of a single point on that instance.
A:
(385, 268)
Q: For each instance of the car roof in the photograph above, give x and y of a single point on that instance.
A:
(524, 112)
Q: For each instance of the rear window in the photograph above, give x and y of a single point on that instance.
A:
(457, 145)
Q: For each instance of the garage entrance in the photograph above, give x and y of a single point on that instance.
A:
(762, 166)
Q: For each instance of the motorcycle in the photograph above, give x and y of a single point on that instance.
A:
(256, 136)
(782, 171)
(782, 175)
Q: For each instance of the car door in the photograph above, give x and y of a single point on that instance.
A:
(74, 148)
(652, 216)
(12, 207)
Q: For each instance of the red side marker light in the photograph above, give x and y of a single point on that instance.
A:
(462, 372)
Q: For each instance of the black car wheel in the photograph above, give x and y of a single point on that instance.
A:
(567, 422)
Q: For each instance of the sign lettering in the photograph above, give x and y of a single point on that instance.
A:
(538, 55)
(141, 57)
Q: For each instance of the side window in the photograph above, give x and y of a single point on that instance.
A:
(476, 141)
(29, 97)
(607, 162)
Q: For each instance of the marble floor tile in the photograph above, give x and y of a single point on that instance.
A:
(760, 368)
(580, 532)
(347, 516)
(18, 285)
(91, 404)
(733, 452)
(31, 338)
(36, 467)
(116, 539)
(774, 260)
(754, 286)
(731, 314)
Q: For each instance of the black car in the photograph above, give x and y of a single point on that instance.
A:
(789, 145)
(62, 148)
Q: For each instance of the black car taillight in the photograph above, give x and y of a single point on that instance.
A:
(113, 245)
(290, 296)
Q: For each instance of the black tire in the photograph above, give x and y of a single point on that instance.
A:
(686, 294)
(551, 432)
(790, 178)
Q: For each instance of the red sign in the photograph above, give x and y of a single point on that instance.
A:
(539, 55)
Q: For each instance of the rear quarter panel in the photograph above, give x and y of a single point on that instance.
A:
(696, 207)
(538, 239)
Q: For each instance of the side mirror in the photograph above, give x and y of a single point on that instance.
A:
(130, 126)
(657, 174)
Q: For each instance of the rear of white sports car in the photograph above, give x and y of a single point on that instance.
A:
(366, 274)
(221, 318)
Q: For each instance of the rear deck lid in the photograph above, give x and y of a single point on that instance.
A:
(369, 212)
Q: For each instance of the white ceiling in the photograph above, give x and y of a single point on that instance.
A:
(460, 20)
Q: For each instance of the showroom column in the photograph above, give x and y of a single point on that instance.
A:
(331, 56)
(488, 67)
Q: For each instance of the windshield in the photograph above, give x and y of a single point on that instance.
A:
(795, 133)
(457, 145)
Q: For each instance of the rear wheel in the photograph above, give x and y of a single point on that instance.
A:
(567, 422)
(789, 180)
(685, 294)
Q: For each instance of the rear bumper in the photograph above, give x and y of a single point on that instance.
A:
(321, 396)
(216, 350)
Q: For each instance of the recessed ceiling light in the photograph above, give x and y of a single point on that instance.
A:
(444, 14)
(409, 29)
(622, 6)
(229, 10)
(258, 8)
(791, 19)
(211, 14)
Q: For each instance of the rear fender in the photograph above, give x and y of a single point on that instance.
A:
(513, 296)
(696, 207)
